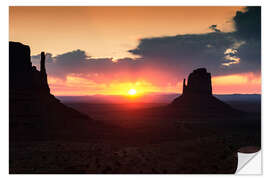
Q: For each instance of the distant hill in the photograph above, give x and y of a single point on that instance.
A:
(152, 98)
(239, 97)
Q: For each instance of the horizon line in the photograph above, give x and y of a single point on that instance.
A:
(153, 93)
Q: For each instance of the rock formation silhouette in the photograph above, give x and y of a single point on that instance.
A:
(43, 74)
(197, 95)
(34, 111)
(199, 81)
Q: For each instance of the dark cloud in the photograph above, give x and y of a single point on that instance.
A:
(214, 28)
(79, 63)
(248, 29)
(210, 50)
(186, 52)
(248, 23)
(48, 57)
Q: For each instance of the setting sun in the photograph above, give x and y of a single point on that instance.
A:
(132, 92)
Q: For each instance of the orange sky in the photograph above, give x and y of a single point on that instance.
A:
(110, 32)
(116, 29)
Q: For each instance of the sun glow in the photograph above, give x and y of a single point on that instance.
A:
(132, 92)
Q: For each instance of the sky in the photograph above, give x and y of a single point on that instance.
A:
(110, 50)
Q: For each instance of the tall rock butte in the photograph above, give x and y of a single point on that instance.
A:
(197, 95)
(33, 110)
(199, 82)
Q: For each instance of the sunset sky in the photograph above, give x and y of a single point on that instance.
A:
(111, 50)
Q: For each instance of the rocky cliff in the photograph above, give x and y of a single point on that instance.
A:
(34, 112)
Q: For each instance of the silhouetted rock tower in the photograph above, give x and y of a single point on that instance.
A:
(199, 81)
(197, 97)
(23, 76)
(33, 110)
(44, 81)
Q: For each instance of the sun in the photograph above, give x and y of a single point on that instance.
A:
(132, 92)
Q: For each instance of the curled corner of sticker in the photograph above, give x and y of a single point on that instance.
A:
(249, 163)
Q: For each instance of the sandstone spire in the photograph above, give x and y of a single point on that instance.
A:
(42, 63)
(44, 81)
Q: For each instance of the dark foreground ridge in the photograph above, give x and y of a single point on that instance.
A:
(34, 112)
(197, 96)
